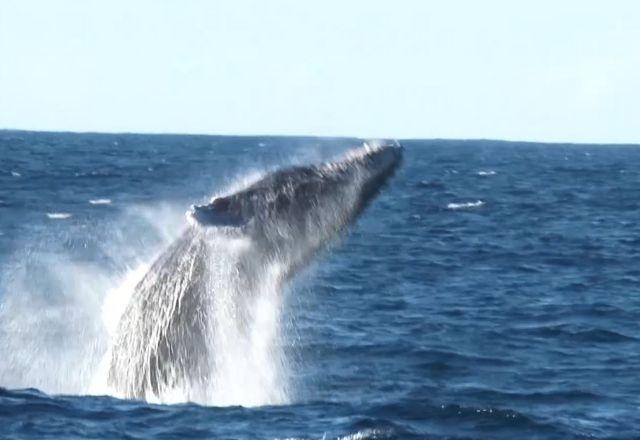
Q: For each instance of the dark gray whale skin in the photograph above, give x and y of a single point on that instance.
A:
(291, 192)
(289, 215)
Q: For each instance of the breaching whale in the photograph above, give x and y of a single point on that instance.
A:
(166, 335)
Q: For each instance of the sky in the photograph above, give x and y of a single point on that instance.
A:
(563, 71)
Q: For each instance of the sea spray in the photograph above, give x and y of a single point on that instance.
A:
(250, 368)
(203, 325)
(58, 311)
(59, 317)
(51, 337)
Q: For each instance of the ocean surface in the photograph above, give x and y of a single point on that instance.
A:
(491, 291)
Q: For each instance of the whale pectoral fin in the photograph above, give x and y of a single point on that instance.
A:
(216, 213)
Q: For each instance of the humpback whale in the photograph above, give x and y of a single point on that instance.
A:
(277, 224)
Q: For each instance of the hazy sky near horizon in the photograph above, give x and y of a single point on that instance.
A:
(524, 70)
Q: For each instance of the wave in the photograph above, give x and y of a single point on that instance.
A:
(100, 201)
(368, 434)
(58, 215)
(467, 205)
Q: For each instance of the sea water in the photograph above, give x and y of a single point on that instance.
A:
(490, 291)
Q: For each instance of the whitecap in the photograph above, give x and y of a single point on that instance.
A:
(486, 173)
(58, 215)
(475, 204)
(15, 174)
(365, 435)
(100, 201)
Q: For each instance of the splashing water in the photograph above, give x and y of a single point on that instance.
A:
(212, 331)
(65, 344)
(51, 341)
(248, 355)
(203, 323)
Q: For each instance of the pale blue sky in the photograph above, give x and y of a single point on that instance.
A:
(529, 70)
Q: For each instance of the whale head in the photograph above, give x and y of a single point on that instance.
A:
(333, 193)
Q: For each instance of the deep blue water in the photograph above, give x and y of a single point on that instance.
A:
(490, 291)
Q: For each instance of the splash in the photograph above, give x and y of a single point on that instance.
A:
(198, 314)
(203, 326)
(205, 322)
(58, 330)
(52, 333)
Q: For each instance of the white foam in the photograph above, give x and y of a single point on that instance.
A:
(57, 298)
(100, 201)
(58, 215)
(367, 148)
(365, 435)
(113, 306)
(476, 204)
(249, 361)
(239, 183)
(49, 334)
(15, 174)
(486, 173)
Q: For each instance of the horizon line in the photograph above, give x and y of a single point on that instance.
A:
(317, 136)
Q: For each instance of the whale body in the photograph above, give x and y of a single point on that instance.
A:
(166, 335)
